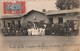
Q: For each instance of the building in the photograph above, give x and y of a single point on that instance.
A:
(61, 16)
(34, 16)
(57, 16)
(65, 22)
(6, 20)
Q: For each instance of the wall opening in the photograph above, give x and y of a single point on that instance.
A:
(60, 20)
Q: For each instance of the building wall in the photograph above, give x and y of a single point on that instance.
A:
(8, 21)
(70, 18)
(55, 20)
(65, 18)
(39, 17)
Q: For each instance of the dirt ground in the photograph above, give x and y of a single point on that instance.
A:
(40, 43)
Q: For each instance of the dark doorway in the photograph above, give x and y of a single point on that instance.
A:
(8, 24)
(4, 23)
(13, 23)
(60, 20)
(51, 20)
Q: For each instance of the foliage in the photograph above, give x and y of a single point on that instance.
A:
(67, 4)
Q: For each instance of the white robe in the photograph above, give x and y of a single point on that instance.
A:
(29, 32)
(35, 32)
(41, 31)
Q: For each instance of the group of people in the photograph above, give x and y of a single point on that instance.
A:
(40, 28)
(68, 28)
(24, 29)
(36, 31)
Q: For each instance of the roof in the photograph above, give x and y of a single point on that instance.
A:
(53, 12)
(12, 16)
(50, 12)
(32, 12)
(20, 15)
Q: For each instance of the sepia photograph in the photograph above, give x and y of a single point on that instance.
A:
(43, 25)
(61, 22)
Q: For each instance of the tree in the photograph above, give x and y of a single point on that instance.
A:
(67, 4)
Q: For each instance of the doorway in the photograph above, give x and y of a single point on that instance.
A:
(60, 20)
(51, 20)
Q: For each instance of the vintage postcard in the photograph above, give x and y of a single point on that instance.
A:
(39, 25)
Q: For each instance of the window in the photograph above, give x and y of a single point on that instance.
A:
(13, 23)
(4, 23)
(8, 24)
(19, 22)
(60, 20)
(51, 20)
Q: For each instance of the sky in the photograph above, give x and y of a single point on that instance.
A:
(39, 5)
(33, 5)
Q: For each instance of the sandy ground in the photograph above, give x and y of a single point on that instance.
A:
(40, 43)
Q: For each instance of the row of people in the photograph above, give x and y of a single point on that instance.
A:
(41, 29)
